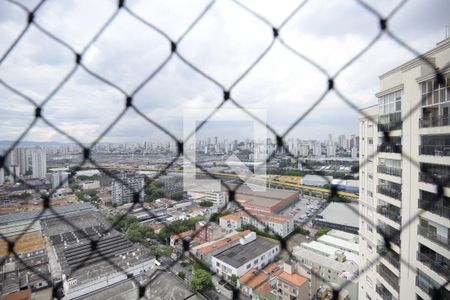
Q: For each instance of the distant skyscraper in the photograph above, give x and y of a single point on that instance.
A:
(13, 173)
(38, 163)
(341, 140)
(331, 150)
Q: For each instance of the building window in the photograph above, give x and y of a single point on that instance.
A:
(369, 281)
(217, 264)
(370, 248)
(390, 103)
(248, 266)
(433, 93)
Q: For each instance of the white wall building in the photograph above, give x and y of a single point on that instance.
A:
(252, 252)
(395, 187)
(38, 163)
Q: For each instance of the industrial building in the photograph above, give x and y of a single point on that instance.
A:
(85, 268)
(30, 251)
(268, 201)
(340, 216)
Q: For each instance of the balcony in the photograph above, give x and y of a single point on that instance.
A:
(435, 207)
(390, 122)
(384, 292)
(389, 148)
(435, 178)
(391, 233)
(391, 212)
(390, 256)
(435, 121)
(435, 150)
(439, 267)
(390, 171)
(388, 276)
(432, 236)
(389, 191)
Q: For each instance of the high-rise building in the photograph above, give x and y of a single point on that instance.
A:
(38, 163)
(341, 141)
(2, 176)
(331, 150)
(59, 179)
(124, 188)
(400, 179)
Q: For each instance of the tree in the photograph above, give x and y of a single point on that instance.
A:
(216, 216)
(201, 281)
(234, 279)
(182, 275)
(177, 227)
(206, 204)
(321, 232)
(160, 250)
(177, 196)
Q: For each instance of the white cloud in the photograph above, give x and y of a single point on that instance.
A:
(223, 44)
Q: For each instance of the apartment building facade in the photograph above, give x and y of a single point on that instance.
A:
(401, 174)
(123, 190)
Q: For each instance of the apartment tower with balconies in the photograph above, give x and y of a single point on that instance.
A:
(405, 182)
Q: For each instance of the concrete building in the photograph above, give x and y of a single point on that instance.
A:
(172, 184)
(207, 232)
(206, 250)
(269, 201)
(340, 216)
(123, 189)
(251, 252)
(334, 260)
(415, 109)
(89, 185)
(278, 224)
(2, 176)
(59, 179)
(38, 163)
(290, 285)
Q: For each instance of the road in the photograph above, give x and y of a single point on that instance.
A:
(278, 181)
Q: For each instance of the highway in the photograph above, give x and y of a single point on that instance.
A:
(275, 179)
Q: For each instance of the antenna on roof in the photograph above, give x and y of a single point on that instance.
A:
(447, 31)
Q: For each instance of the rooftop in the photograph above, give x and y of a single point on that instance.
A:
(55, 211)
(203, 249)
(339, 243)
(241, 254)
(295, 279)
(254, 278)
(341, 213)
(347, 269)
(266, 198)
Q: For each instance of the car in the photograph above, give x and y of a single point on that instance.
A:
(218, 290)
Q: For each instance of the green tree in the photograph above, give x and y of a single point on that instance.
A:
(320, 232)
(177, 196)
(201, 281)
(160, 250)
(234, 279)
(182, 275)
(206, 204)
(177, 227)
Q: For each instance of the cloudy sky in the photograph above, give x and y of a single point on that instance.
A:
(223, 44)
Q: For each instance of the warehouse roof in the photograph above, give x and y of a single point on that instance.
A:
(241, 254)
